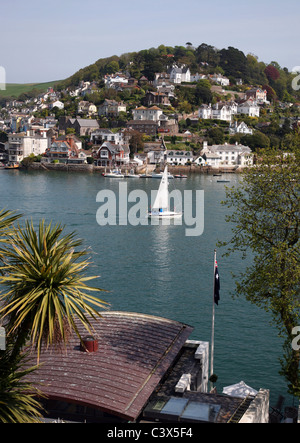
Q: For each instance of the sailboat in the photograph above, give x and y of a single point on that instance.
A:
(161, 205)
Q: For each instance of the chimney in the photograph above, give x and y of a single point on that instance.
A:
(89, 344)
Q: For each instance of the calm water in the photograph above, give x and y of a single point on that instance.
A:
(158, 270)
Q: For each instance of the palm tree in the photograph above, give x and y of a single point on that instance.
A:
(45, 288)
(7, 218)
(16, 404)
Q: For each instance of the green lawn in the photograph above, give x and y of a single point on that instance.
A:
(16, 89)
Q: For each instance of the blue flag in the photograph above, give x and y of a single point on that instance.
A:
(217, 285)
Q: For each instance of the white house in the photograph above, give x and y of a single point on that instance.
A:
(220, 79)
(218, 111)
(175, 157)
(57, 104)
(212, 159)
(240, 128)
(110, 81)
(248, 107)
(199, 161)
(180, 74)
(227, 155)
(143, 113)
(21, 145)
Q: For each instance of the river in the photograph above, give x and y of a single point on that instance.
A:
(159, 270)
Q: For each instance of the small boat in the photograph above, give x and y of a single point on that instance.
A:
(12, 166)
(161, 205)
(217, 175)
(160, 175)
(180, 176)
(223, 181)
(131, 174)
(113, 174)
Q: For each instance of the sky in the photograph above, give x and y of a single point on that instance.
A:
(45, 41)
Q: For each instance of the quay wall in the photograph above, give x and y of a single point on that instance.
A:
(139, 169)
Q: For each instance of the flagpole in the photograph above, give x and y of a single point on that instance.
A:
(213, 321)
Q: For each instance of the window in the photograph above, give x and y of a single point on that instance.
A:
(104, 153)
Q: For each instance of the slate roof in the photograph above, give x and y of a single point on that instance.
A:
(87, 122)
(135, 351)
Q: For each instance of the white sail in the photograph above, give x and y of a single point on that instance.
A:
(162, 198)
(161, 205)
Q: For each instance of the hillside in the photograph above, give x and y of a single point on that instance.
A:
(16, 89)
(231, 62)
(271, 124)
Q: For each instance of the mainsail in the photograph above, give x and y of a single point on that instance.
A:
(161, 202)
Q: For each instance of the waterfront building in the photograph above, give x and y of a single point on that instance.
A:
(227, 155)
(65, 149)
(137, 368)
(21, 145)
(180, 158)
(112, 154)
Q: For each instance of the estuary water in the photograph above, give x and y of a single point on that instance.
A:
(159, 270)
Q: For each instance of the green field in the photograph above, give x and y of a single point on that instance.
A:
(16, 89)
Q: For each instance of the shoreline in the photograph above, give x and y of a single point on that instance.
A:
(64, 167)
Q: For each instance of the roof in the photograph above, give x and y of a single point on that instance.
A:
(114, 148)
(228, 405)
(141, 122)
(235, 148)
(87, 122)
(135, 351)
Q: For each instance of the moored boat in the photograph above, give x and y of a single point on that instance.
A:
(180, 176)
(160, 175)
(113, 174)
(12, 166)
(131, 174)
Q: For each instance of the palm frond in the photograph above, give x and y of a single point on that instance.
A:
(46, 285)
(16, 404)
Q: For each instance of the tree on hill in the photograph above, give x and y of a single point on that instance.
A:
(272, 73)
(234, 62)
(207, 54)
